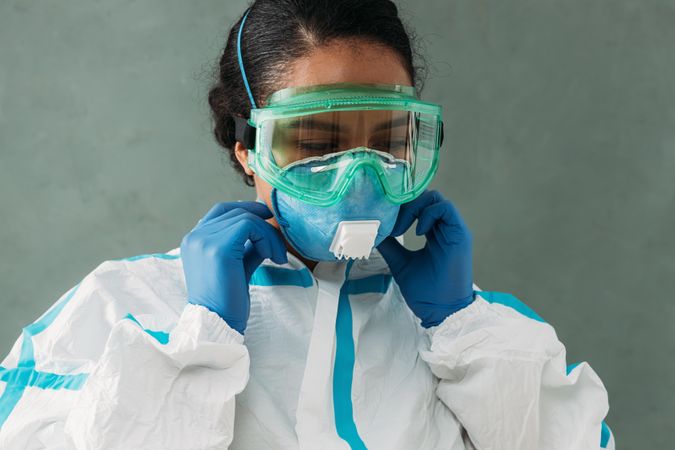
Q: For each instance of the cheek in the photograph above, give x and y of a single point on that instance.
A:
(263, 191)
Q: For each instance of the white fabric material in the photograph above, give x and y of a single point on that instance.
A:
(315, 426)
(486, 378)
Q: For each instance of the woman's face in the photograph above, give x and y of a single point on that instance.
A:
(343, 61)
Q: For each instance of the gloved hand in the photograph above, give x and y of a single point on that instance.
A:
(221, 253)
(436, 280)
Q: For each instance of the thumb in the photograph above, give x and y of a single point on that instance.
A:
(395, 254)
(252, 260)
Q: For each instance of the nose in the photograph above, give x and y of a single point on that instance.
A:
(359, 136)
(365, 181)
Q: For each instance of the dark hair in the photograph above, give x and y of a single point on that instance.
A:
(278, 31)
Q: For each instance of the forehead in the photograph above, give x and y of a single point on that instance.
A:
(348, 61)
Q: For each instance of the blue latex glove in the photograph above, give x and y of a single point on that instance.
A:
(221, 253)
(436, 280)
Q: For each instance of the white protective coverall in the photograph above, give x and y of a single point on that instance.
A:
(122, 362)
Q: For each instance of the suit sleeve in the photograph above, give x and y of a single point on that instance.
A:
(502, 372)
(162, 392)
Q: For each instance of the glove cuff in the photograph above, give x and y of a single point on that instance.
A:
(443, 311)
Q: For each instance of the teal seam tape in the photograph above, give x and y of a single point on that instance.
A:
(25, 375)
(605, 434)
(9, 398)
(149, 255)
(373, 284)
(511, 301)
(571, 367)
(343, 369)
(281, 276)
(160, 336)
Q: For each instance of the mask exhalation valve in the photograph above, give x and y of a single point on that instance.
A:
(354, 239)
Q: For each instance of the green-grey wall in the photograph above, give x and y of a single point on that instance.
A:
(560, 154)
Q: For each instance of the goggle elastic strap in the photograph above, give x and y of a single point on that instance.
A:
(244, 132)
(241, 60)
(442, 135)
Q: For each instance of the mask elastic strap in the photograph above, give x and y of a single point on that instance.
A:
(241, 61)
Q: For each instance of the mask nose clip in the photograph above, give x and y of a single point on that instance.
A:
(354, 239)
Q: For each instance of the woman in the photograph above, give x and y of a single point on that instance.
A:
(299, 320)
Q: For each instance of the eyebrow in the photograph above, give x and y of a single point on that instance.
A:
(388, 124)
(313, 124)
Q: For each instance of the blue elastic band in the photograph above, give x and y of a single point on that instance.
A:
(241, 61)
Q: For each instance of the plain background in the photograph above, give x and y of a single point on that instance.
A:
(559, 153)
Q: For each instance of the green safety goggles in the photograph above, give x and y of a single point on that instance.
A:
(309, 142)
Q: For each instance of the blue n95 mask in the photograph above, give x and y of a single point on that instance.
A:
(348, 229)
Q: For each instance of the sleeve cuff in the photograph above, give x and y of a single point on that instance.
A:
(205, 325)
(452, 324)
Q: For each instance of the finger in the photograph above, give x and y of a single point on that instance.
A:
(412, 210)
(234, 228)
(443, 212)
(442, 222)
(264, 237)
(229, 232)
(277, 247)
(257, 208)
(214, 225)
(395, 254)
(252, 260)
(254, 252)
